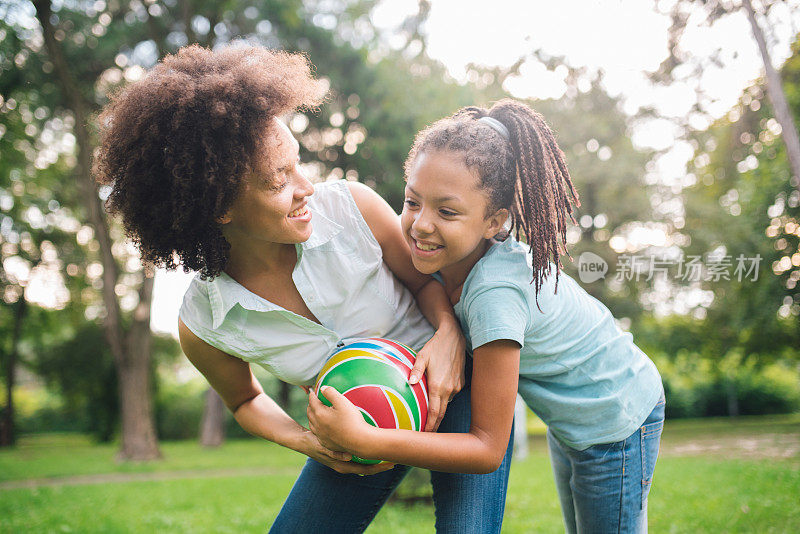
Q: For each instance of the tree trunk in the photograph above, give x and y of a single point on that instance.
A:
(8, 436)
(284, 395)
(132, 352)
(520, 429)
(776, 95)
(186, 15)
(139, 441)
(732, 397)
(212, 427)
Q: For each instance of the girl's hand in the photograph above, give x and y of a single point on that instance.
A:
(443, 358)
(339, 426)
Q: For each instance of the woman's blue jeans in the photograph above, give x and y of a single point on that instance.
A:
(604, 488)
(323, 500)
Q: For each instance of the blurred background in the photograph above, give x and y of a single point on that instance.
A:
(678, 120)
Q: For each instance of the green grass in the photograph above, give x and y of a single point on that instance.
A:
(59, 455)
(241, 486)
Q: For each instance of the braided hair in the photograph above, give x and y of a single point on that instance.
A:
(525, 173)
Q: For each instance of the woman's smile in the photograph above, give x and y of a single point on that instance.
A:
(301, 214)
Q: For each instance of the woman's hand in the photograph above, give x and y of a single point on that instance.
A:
(443, 358)
(339, 461)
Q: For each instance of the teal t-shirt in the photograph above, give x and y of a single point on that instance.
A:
(582, 375)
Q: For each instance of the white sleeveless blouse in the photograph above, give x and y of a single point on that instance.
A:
(340, 275)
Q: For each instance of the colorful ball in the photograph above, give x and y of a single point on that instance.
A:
(373, 374)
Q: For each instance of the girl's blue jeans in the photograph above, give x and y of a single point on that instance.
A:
(604, 488)
(323, 500)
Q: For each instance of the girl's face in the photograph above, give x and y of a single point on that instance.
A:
(444, 217)
(272, 204)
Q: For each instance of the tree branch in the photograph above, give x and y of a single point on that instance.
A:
(776, 95)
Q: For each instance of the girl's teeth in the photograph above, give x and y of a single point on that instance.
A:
(297, 212)
(424, 247)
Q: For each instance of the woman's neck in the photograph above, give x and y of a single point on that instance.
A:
(260, 259)
(456, 274)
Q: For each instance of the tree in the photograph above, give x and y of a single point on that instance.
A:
(716, 10)
(130, 347)
(745, 205)
(776, 94)
(39, 255)
(212, 425)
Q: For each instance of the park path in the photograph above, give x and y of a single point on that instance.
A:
(745, 446)
(112, 478)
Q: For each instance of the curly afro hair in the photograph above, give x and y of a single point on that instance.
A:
(176, 145)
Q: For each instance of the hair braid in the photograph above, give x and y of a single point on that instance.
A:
(542, 179)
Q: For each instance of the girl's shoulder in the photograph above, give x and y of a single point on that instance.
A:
(508, 264)
(503, 272)
(506, 261)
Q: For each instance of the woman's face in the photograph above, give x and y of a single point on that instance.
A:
(272, 204)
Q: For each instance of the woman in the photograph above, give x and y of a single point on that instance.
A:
(205, 176)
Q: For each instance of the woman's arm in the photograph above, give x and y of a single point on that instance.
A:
(495, 375)
(256, 412)
(443, 355)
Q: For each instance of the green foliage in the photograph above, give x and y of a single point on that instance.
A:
(702, 387)
(82, 370)
(179, 410)
(737, 355)
(609, 175)
(744, 203)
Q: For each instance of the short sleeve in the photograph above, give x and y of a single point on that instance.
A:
(496, 312)
(195, 313)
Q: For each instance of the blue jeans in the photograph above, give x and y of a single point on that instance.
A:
(323, 500)
(604, 488)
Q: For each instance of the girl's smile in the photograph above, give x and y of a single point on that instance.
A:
(424, 248)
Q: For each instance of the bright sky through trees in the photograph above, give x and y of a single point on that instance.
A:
(623, 38)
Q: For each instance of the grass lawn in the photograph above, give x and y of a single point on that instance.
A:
(713, 476)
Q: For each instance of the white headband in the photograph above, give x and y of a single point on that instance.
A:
(497, 126)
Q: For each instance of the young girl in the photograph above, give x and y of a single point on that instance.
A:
(528, 326)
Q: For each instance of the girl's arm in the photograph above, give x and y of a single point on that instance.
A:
(495, 374)
(253, 409)
(443, 355)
